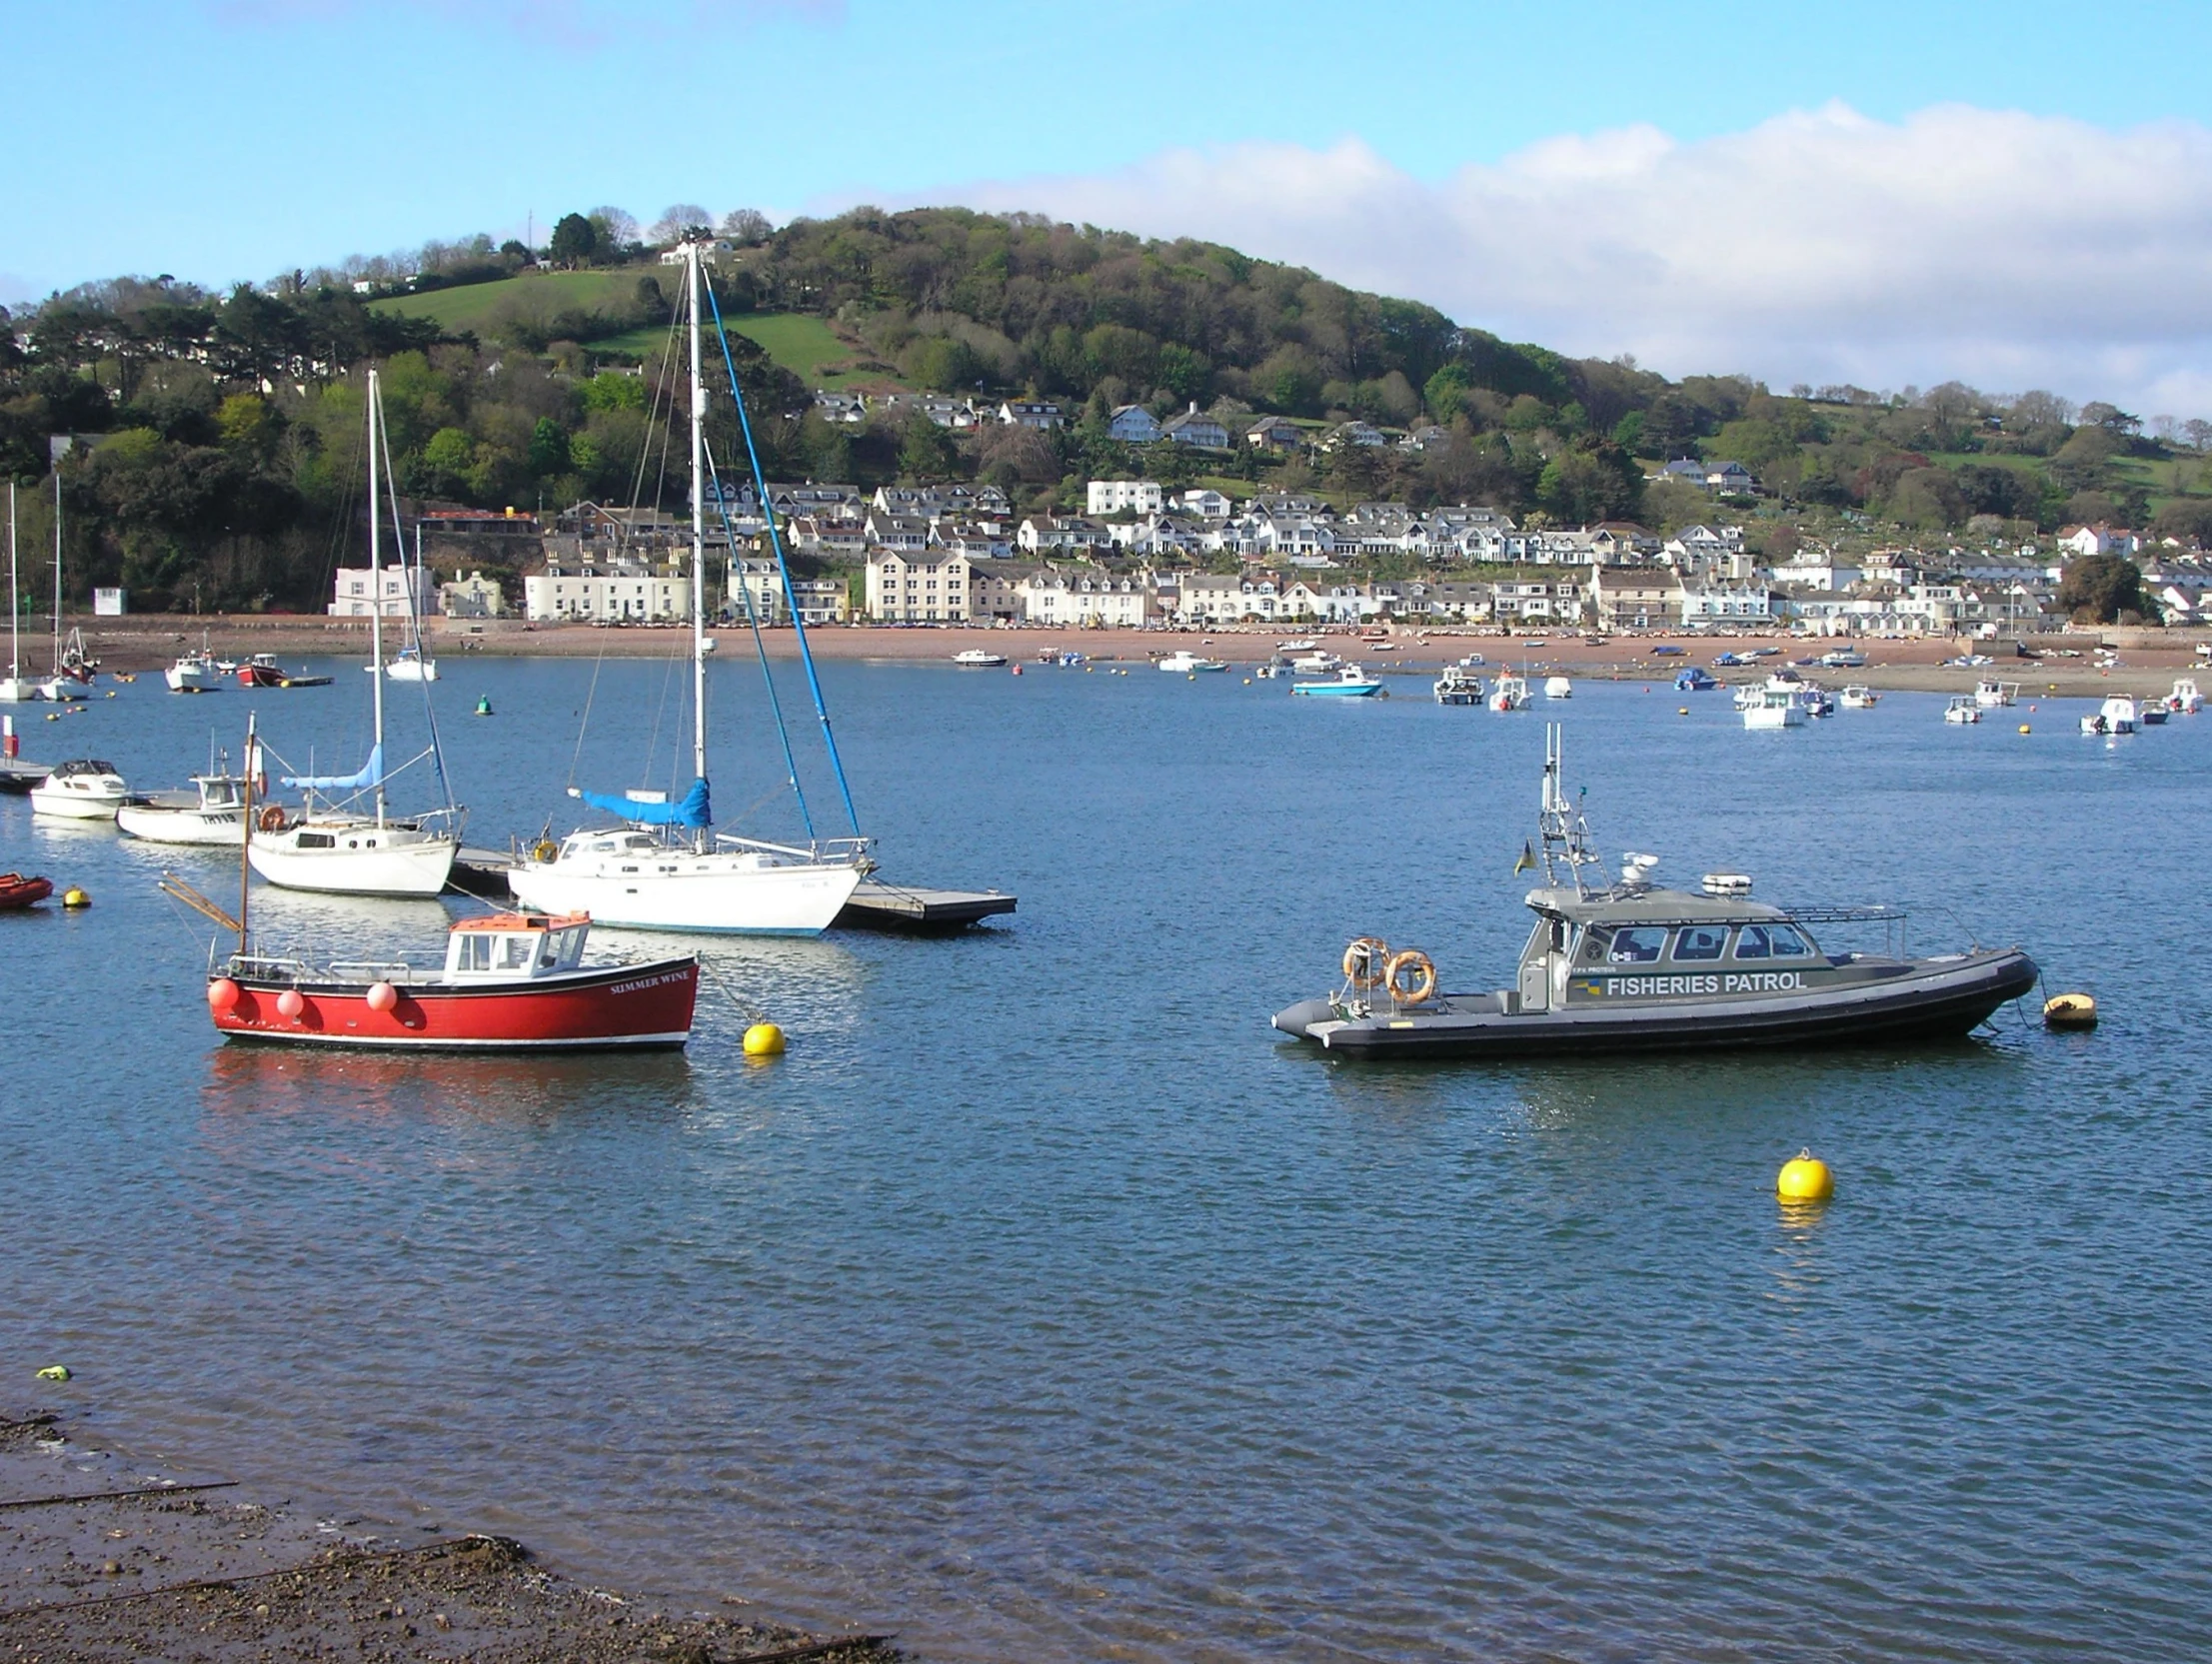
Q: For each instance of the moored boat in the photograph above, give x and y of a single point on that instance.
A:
(1350, 682)
(1633, 967)
(2185, 698)
(1694, 678)
(195, 673)
(1775, 705)
(213, 813)
(1509, 693)
(1458, 687)
(1962, 708)
(1991, 693)
(20, 889)
(509, 983)
(1183, 662)
(85, 788)
(1558, 687)
(976, 658)
(1858, 697)
(263, 670)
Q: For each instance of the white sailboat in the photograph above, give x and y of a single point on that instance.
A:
(67, 681)
(335, 850)
(15, 687)
(666, 868)
(411, 664)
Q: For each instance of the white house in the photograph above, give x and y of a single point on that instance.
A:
(1031, 413)
(635, 596)
(1207, 505)
(402, 589)
(1086, 597)
(847, 408)
(1192, 427)
(2099, 538)
(473, 597)
(1112, 497)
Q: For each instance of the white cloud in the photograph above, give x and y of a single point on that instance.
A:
(2003, 249)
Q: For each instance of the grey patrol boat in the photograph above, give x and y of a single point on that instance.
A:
(1632, 966)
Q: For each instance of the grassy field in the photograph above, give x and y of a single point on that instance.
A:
(803, 344)
(473, 305)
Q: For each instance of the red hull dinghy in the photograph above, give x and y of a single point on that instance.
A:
(16, 890)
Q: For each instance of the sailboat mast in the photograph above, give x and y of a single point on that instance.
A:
(376, 593)
(57, 565)
(698, 541)
(15, 611)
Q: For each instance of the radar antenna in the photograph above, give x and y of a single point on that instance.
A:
(1565, 834)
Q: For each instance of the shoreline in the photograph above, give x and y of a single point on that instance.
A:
(107, 1556)
(148, 643)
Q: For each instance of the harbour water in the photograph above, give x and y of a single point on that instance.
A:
(1041, 1304)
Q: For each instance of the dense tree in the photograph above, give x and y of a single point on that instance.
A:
(575, 240)
(2097, 589)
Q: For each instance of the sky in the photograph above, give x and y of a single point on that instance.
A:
(1889, 194)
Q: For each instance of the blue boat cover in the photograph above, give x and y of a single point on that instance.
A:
(691, 810)
(370, 774)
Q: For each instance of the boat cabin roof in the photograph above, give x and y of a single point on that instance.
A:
(1650, 906)
(516, 923)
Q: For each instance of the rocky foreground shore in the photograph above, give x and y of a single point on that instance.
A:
(102, 1560)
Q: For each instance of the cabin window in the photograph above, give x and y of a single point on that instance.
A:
(1639, 945)
(1700, 941)
(1770, 941)
(317, 840)
(516, 953)
(475, 954)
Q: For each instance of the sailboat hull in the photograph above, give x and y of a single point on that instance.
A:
(729, 894)
(354, 859)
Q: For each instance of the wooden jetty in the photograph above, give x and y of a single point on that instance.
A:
(901, 910)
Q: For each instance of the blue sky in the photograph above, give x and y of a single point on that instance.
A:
(226, 139)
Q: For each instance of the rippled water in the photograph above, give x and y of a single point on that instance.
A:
(1041, 1304)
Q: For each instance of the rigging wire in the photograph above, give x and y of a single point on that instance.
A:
(775, 541)
(760, 645)
(430, 712)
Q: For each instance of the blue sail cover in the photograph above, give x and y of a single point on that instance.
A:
(370, 774)
(691, 810)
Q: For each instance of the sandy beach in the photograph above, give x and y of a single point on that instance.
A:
(2149, 660)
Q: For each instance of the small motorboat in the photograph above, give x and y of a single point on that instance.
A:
(1305, 643)
(83, 789)
(1274, 669)
(1777, 705)
(1557, 688)
(214, 811)
(1070, 657)
(2119, 715)
(1350, 682)
(1183, 662)
(19, 891)
(1473, 661)
(512, 981)
(1962, 708)
(1458, 687)
(976, 658)
(1316, 663)
(2152, 714)
(1859, 696)
(1509, 693)
(263, 670)
(1992, 695)
(1694, 678)
(195, 673)
(2185, 698)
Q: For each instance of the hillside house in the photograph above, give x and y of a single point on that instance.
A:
(1032, 413)
(1274, 433)
(1114, 497)
(1192, 427)
(1133, 425)
(930, 587)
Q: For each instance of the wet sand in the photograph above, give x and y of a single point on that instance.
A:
(104, 1557)
(147, 642)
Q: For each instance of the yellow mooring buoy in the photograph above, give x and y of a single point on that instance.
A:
(764, 1040)
(1804, 1179)
(2070, 1010)
(75, 897)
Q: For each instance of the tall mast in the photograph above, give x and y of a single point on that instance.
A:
(57, 565)
(15, 611)
(376, 591)
(698, 539)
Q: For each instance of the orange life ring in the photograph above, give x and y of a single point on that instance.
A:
(1414, 962)
(272, 819)
(1364, 963)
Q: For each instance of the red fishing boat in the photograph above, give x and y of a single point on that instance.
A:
(510, 982)
(263, 670)
(18, 891)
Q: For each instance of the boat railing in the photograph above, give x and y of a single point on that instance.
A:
(827, 849)
(369, 971)
(1784, 915)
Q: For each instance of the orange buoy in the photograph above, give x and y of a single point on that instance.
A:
(223, 994)
(383, 996)
(290, 1004)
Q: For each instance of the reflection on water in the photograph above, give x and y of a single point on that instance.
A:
(1043, 1303)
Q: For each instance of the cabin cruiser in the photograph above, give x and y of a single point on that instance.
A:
(84, 790)
(1694, 678)
(195, 673)
(1458, 687)
(1962, 708)
(1350, 682)
(1316, 663)
(1509, 693)
(2116, 716)
(1185, 663)
(1775, 705)
(2185, 697)
(214, 811)
(1990, 693)
(976, 658)
(1858, 697)
(1630, 966)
